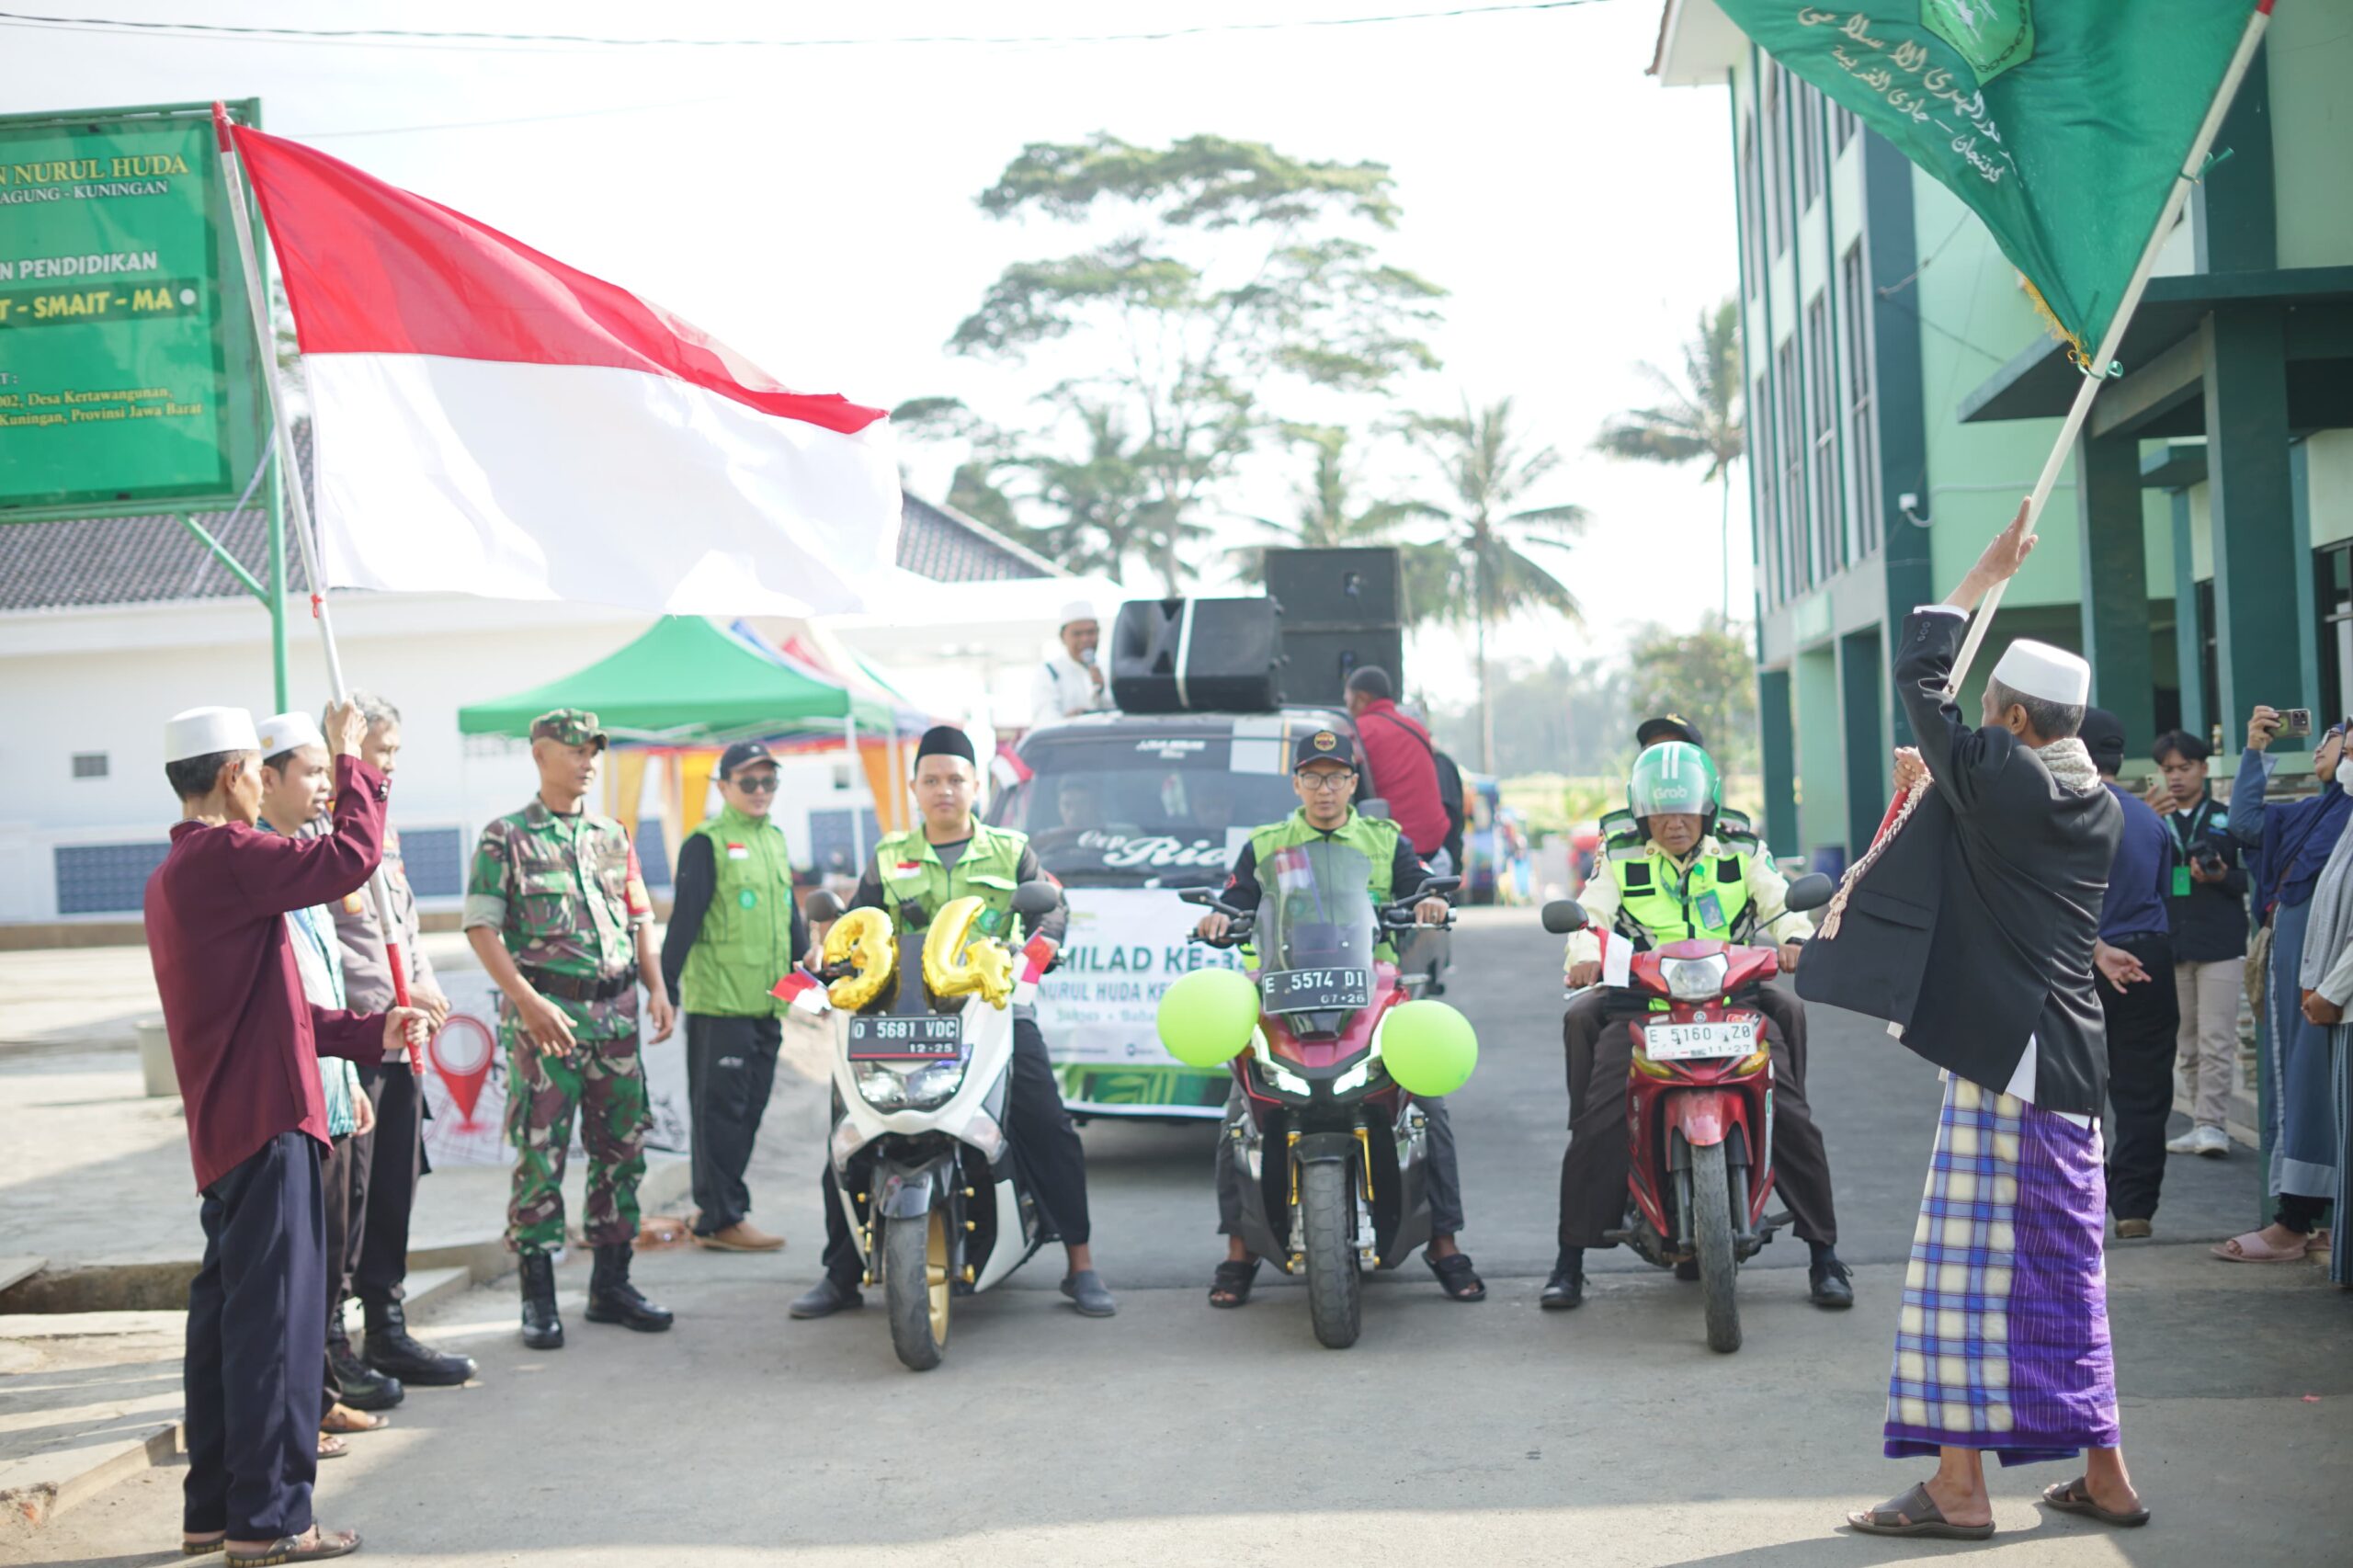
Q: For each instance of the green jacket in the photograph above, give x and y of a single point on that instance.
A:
(908, 870)
(745, 942)
(1375, 838)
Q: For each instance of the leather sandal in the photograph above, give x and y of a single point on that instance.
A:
(331, 1447)
(2075, 1498)
(313, 1545)
(345, 1420)
(1457, 1277)
(1915, 1513)
(1230, 1286)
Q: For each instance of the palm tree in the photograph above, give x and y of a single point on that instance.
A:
(1328, 518)
(1700, 420)
(1487, 469)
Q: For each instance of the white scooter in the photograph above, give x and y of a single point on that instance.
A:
(921, 1070)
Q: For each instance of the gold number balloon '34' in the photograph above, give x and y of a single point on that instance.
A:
(956, 962)
(862, 937)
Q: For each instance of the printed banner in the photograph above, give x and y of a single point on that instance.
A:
(1098, 1009)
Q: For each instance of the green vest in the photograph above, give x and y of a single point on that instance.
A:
(1375, 838)
(746, 943)
(1674, 906)
(990, 868)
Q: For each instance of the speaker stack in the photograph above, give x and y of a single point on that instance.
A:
(1341, 610)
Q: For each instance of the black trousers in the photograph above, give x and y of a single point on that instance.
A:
(1592, 1170)
(1044, 1141)
(1444, 1176)
(385, 1167)
(335, 1214)
(256, 1320)
(731, 1069)
(2143, 1023)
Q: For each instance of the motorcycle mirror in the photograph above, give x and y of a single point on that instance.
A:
(822, 905)
(1563, 915)
(1035, 901)
(1809, 892)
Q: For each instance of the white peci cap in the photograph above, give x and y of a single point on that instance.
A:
(200, 732)
(284, 731)
(1077, 611)
(2037, 669)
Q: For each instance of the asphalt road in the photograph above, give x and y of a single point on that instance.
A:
(1481, 1434)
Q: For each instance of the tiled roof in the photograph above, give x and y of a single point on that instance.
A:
(92, 561)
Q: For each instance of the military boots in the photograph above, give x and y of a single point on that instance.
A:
(612, 1299)
(392, 1350)
(543, 1330)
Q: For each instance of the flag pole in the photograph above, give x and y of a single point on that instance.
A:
(2192, 167)
(297, 501)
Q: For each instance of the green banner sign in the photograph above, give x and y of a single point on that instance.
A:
(126, 358)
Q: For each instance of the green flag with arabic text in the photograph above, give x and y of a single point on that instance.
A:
(2061, 122)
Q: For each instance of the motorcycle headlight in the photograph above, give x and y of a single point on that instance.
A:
(924, 1086)
(1694, 980)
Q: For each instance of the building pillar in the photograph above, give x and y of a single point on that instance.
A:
(2116, 583)
(1861, 658)
(2258, 555)
(2189, 629)
(1779, 761)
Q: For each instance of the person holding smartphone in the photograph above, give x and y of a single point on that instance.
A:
(2206, 906)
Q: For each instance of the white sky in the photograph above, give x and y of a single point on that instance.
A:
(813, 207)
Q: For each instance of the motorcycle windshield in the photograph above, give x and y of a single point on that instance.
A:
(1316, 913)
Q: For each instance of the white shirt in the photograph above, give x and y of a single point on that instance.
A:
(1063, 688)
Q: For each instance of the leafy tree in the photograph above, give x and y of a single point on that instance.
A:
(1701, 419)
(1219, 273)
(1487, 470)
(1567, 716)
(1329, 519)
(1710, 674)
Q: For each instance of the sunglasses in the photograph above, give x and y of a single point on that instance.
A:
(758, 784)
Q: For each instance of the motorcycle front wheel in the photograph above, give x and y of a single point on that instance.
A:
(1712, 1236)
(915, 1287)
(1335, 1283)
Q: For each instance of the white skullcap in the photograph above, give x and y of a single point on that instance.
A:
(1077, 611)
(2037, 669)
(284, 731)
(200, 732)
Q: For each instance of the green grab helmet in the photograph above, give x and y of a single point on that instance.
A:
(1675, 778)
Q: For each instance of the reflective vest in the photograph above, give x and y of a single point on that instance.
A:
(1708, 898)
(745, 942)
(1375, 838)
(989, 868)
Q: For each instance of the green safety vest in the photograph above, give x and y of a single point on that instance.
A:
(1375, 838)
(990, 868)
(1674, 906)
(746, 943)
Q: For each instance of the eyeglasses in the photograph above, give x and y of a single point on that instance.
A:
(760, 784)
(1327, 783)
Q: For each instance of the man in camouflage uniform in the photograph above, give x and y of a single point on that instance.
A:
(557, 911)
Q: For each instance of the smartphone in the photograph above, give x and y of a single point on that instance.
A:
(2295, 722)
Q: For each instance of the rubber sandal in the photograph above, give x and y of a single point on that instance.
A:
(345, 1420)
(1917, 1514)
(2075, 1498)
(323, 1544)
(1457, 1277)
(1232, 1281)
(331, 1447)
(204, 1548)
(2251, 1248)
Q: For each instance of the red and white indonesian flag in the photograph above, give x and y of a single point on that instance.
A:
(491, 421)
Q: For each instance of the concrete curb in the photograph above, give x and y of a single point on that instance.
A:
(36, 1489)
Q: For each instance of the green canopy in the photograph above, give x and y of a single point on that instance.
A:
(687, 682)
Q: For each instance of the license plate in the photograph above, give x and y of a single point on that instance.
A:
(1685, 1042)
(886, 1039)
(1314, 990)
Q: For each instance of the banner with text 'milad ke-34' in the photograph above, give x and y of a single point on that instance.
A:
(2062, 123)
(122, 367)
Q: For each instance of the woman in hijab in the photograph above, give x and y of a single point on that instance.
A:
(2305, 891)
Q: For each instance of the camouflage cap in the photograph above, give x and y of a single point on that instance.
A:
(569, 726)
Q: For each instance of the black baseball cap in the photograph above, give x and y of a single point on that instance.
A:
(1667, 727)
(743, 753)
(2103, 735)
(1321, 746)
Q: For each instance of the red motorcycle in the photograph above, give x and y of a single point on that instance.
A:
(1698, 1104)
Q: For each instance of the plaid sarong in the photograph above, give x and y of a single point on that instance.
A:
(2002, 1339)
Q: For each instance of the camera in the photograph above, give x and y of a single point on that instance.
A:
(2210, 861)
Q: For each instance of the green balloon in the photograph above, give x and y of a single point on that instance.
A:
(1206, 1017)
(1428, 1048)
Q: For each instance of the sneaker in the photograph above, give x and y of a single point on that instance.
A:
(2210, 1141)
(741, 1236)
(2132, 1230)
(2185, 1145)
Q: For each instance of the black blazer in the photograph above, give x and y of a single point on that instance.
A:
(1974, 930)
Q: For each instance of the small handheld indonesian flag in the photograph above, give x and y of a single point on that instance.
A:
(1036, 955)
(803, 991)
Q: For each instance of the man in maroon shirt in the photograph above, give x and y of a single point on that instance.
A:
(246, 1044)
(1402, 761)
